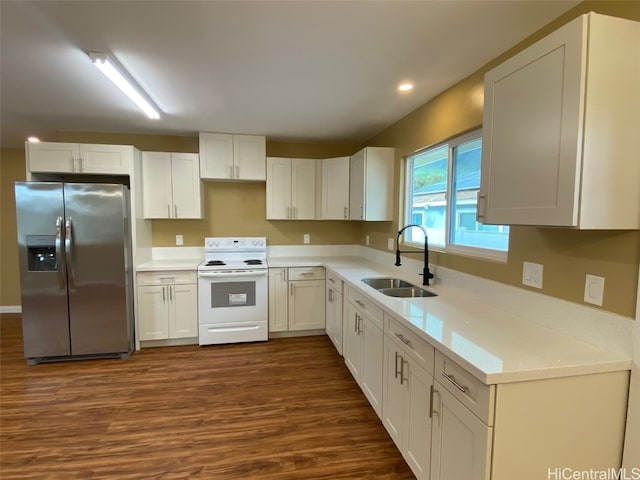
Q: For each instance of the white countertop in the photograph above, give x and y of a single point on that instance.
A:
(493, 345)
(168, 264)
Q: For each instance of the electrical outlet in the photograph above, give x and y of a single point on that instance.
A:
(179, 240)
(306, 238)
(390, 243)
(366, 240)
(594, 290)
(532, 274)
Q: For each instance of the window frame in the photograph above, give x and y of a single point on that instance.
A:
(407, 202)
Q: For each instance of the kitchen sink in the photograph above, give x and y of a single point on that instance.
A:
(394, 287)
(379, 283)
(406, 292)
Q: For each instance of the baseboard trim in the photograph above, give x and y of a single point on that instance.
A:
(10, 309)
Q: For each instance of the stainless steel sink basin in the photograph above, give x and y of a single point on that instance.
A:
(407, 292)
(379, 283)
(394, 287)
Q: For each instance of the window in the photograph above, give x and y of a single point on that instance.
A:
(442, 184)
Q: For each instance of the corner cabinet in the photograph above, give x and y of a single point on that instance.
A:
(79, 158)
(232, 157)
(371, 184)
(560, 130)
(171, 185)
(296, 299)
(334, 305)
(333, 196)
(291, 188)
(167, 305)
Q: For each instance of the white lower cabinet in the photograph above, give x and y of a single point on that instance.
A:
(296, 299)
(363, 345)
(461, 442)
(334, 310)
(167, 305)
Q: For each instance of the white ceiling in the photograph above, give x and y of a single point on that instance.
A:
(323, 71)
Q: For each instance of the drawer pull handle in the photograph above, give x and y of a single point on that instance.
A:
(406, 341)
(307, 274)
(332, 280)
(452, 380)
(360, 303)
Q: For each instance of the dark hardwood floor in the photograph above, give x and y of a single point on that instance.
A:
(286, 409)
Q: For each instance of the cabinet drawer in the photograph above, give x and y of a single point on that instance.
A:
(475, 395)
(420, 350)
(365, 305)
(334, 281)
(169, 277)
(306, 273)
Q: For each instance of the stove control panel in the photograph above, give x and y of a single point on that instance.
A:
(231, 243)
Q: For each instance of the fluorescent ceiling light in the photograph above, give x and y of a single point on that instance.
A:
(119, 77)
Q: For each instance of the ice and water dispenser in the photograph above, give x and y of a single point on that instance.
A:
(41, 253)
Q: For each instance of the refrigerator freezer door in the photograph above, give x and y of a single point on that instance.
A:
(96, 226)
(45, 324)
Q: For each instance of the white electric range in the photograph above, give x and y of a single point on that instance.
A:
(232, 291)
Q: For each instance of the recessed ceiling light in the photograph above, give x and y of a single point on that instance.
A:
(33, 139)
(405, 87)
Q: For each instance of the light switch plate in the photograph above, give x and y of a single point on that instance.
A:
(532, 274)
(306, 238)
(594, 290)
(179, 240)
(390, 243)
(366, 240)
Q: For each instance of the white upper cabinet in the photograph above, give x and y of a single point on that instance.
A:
(232, 157)
(78, 158)
(371, 184)
(334, 189)
(171, 185)
(291, 188)
(560, 132)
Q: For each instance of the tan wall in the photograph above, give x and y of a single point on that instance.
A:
(12, 169)
(567, 255)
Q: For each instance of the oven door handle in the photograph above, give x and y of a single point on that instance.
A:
(252, 273)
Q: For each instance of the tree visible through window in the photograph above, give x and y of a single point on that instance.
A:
(442, 195)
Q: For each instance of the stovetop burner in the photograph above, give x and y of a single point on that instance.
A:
(253, 261)
(212, 263)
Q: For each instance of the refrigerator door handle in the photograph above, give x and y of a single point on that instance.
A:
(59, 256)
(68, 249)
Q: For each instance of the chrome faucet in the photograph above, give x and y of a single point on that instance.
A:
(426, 275)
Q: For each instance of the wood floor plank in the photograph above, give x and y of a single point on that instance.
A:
(287, 409)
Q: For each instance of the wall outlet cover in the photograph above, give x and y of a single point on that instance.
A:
(366, 240)
(179, 240)
(532, 274)
(390, 243)
(594, 290)
(306, 238)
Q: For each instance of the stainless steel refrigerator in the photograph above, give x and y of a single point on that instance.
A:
(75, 269)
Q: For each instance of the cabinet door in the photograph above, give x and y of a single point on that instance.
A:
(532, 132)
(335, 189)
(372, 363)
(157, 201)
(460, 441)
(153, 312)
(52, 157)
(417, 421)
(278, 188)
(303, 189)
(278, 300)
(216, 156)
(356, 186)
(352, 344)
(306, 305)
(394, 392)
(249, 155)
(185, 185)
(183, 318)
(334, 317)
(106, 159)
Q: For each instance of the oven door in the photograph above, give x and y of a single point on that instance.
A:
(232, 306)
